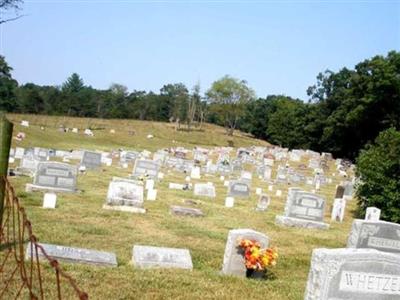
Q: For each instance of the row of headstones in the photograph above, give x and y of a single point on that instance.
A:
(160, 257)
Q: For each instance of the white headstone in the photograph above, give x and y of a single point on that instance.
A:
(270, 188)
(278, 193)
(149, 184)
(373, 214)
(258, 191)
(25, 123)
(49, 200)
(338, 209)
(151, 195)
(229, 201)
(195, 173)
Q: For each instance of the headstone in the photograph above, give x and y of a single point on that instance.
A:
(229, 202)
(91, 160)
(75, 255)
(176, 186)
(234, 262)
(270, 188)
(55, 176)
(125, 195)
(338, 210)
(263, 203)
(303, 209)
(238, 189)
(195, 173)
(258, 191)
(205, 190)
(379, 235)
(151, 195)
(267, 173)
(159, 257)
(246, 176)
(356, 274)
(28, 164)
(186, 211)
(149, 184)
(278, 193)
(88, 132)
(49, 200)
(75, 130)
(25, 123)
(147, 168)
(19, 152)
(372, 214)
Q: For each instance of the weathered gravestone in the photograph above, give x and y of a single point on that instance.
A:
(147, 168)
(186, 211)
(338, 210)
(75, 255)
(19, 152)
(28, 164)
(379, 235)
(356, 274)
(234, 262)
(372, 214)
(160, 257)
(263, 203)
(204, 189)
(303, 209)
(125, 195)
(91, 160)
(54, 176)
(238, 188)
(339, 192)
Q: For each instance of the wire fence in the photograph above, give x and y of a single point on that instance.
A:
(26, 271)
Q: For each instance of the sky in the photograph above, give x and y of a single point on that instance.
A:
(278, 47)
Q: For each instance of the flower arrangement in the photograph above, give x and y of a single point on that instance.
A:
(258, 259)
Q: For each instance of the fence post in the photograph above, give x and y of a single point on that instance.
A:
(6, 128)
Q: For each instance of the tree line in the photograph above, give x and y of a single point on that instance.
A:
(345, 111)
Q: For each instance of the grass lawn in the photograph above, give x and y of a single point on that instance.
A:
(80, 221)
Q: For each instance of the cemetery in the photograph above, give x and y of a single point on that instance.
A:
(133, 225)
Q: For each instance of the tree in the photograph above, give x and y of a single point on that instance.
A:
(7, 87)
(378, 168)
(177, 97)
(7, 5)
(229, 97)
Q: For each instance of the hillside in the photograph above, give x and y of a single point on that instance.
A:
(80, 221)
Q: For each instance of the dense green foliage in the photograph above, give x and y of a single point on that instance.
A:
(346, 109)
(378, 167)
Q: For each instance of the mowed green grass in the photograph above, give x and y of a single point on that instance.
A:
(80, 221)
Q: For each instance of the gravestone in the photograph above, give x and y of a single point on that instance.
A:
(267, 173)
(147, 168)
(338, 210)
(205, 190)
(303, 209)
(372, 214)
(75, 255)
(238, 188)
(379, 235)
(234, 262)
(176, 186)
(54, 176)
(229, 202)
(151, 195)
(19, 152)
(49, 200)
(28, 164)
(125, 195)
(263, 202)
(160, 257)
(195, 173)
(356, 274)
(246, 176)
(186, 211)
(91, 160)
(339, 192)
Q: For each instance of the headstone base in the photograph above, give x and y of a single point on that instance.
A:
(33, 188)
(131, 209)
(294, 222)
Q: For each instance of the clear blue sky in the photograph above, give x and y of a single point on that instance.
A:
(277, 46)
